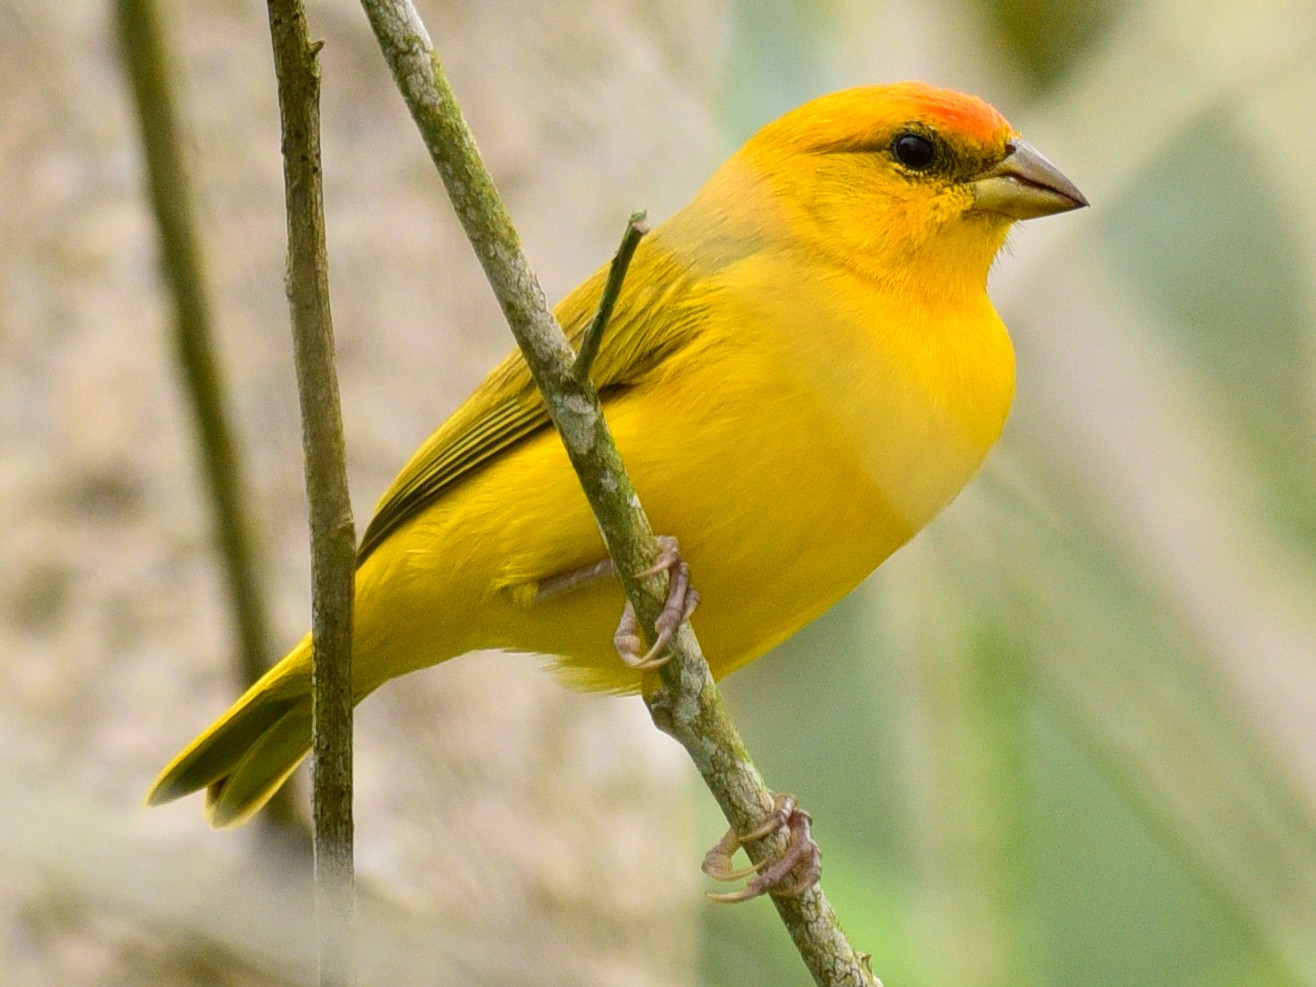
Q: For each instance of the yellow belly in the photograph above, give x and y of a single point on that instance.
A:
(787, 473)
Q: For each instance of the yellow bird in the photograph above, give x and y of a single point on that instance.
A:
(802, 369)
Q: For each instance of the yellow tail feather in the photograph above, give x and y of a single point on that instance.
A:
(250, 751)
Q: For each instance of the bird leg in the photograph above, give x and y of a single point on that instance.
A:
(682, 599)
(564, 582)
(802, 859)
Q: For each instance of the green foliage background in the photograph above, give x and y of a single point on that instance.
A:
(1039, 738)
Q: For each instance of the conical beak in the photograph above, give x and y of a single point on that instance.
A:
(1025, 185)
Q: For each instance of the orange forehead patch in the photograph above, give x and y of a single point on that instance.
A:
(854, 117)
(946, 108)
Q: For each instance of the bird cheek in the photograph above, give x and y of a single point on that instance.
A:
(907, 222)
(951, 205)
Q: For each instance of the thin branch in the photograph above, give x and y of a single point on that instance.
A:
(621, 262)
(688, 705)
(333, 536)
(145, 56)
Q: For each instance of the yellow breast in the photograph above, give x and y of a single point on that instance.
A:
(912, 394)
(812, 432)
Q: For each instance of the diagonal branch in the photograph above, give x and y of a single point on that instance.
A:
(689, 705)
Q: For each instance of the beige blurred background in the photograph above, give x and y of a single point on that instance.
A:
(1065, 737)
(547, 836)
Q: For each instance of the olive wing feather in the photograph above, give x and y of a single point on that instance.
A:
(507, 408)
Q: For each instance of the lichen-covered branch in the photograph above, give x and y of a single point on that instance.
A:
(333, 536)
(688, 705)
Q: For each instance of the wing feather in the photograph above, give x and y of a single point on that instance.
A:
(507, 409)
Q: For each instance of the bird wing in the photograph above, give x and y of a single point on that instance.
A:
(507, 408)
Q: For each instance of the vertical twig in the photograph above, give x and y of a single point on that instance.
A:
(636, 228)
(333, 537)
(145, 56)
(689, 705)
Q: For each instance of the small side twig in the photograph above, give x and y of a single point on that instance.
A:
(689, 705)
(636, 227)
(145, 54)
(333, 536)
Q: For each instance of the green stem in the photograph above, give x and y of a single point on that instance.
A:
(333, 536)
(621, 262)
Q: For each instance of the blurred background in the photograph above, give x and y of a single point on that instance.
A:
(1066, 736)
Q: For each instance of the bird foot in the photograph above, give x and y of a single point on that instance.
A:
(790, 875)
(682, 599)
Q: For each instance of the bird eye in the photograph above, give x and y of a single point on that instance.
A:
(913, 151)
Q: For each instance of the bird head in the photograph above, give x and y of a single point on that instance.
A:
(902, 182)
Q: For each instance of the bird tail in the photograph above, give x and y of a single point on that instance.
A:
(249, 752)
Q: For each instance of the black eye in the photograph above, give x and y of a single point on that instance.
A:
(913, 151)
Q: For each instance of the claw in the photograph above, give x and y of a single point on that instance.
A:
(802, 857)
(681, 602)
(717, 861)
(782, 808)
(628, 643)
(669, 555)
